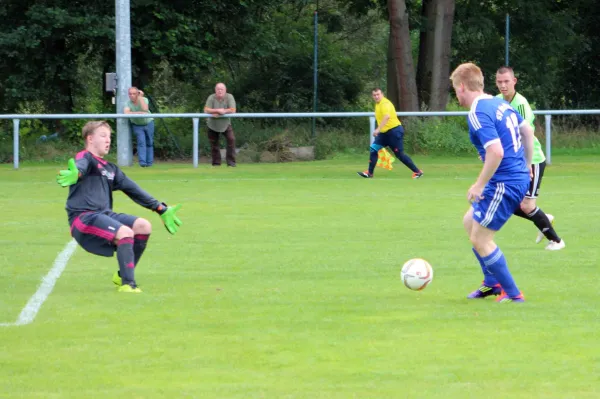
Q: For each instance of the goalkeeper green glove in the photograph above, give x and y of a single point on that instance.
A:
(70, 176)
(169, 217)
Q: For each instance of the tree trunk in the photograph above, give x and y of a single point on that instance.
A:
(392, 92)
(444, 17)
(434, 53)
(402, 56)
(425, 62)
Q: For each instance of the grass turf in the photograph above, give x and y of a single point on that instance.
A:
(284, 283)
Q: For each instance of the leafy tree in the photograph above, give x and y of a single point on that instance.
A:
(407, 86)
(280, 78)
(50, 50)
(579, 66)
(544, 36)
(39, 46)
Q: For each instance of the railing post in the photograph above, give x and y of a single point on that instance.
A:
(371, 129)
(195, 122)
(16, 143)
(548, 138)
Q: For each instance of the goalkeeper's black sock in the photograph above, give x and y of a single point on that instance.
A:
(125, 259)
(540, 219)
(139, 246)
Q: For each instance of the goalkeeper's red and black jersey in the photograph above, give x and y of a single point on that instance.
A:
(98, 178)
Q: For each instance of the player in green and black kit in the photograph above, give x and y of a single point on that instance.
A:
(505, 81)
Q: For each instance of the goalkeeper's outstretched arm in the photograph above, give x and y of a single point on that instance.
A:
(167, 213)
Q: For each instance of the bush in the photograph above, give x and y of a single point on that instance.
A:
(267, 157)
(433, 135)
(279, 146)
(248, 153)
(31, 149)
(334, 141)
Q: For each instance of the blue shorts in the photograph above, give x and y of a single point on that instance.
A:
(96, 231)
(499, 202)
(393, 138)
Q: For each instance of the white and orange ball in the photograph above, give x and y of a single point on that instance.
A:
(416, 274)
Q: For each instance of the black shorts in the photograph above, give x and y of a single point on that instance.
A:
(536, 180)
(96, 231)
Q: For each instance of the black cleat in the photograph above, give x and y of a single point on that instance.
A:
(365, 174)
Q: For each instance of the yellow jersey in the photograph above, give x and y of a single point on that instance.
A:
(383, 108)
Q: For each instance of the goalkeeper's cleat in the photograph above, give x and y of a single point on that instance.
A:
(485, 291)
(130, 289)
(540, 235)
(365, 174)
(555, 246)
(417, 175)
(117, 279)
(504, 298)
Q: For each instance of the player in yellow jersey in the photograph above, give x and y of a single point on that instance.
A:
(389, 133)
(506, 81)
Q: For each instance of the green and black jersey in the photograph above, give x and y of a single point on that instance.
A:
(521, 105)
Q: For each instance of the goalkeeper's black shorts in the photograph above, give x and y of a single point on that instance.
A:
(96, 231)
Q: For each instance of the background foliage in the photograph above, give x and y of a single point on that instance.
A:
(54, 53)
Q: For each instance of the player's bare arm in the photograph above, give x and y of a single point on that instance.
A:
(384, 121)
(527, 139)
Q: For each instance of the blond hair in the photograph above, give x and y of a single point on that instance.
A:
(90, 127)
(468, 74)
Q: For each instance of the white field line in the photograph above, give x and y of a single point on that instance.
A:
(37, 300)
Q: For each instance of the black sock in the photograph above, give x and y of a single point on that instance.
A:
(519, 212)
(125, 259)
(540, 219)
(372, 161)
(139, 245)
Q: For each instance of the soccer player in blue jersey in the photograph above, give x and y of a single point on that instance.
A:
(504, 142)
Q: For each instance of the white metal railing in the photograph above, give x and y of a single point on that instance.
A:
(16, 118)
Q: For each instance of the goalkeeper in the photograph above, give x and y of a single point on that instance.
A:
(91, 180)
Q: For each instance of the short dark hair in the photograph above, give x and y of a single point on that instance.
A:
(505, 69)
(376, 89)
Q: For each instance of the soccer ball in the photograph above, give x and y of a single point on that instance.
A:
(416, 274)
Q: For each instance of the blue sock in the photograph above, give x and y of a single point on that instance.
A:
(496, 263)
(372, 161)
(488, 277)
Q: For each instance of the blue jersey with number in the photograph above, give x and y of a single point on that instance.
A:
(492, 120)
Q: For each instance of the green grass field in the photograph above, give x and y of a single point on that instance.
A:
(284, 283)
